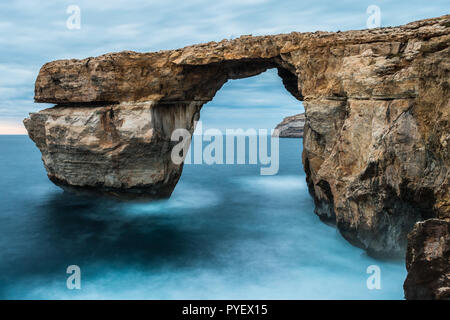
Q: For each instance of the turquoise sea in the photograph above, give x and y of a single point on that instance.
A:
(226, 233)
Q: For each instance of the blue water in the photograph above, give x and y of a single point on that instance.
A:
(226, 233)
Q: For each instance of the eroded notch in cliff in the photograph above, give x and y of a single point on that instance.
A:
(207, 79)
(290, 82)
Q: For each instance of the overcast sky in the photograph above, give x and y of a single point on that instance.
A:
(34, 32)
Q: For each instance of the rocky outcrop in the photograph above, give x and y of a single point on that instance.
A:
(376, 136)
(291, 127)
(121, 150)
(428, 261)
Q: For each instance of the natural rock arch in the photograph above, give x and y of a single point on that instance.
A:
(376, 141)
(127, 150)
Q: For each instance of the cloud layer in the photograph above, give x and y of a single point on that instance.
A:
(35, 32)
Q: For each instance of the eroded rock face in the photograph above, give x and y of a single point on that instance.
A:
(376, 137)
(291, 127)
(122, 150)
(428, 261)
(372, 172)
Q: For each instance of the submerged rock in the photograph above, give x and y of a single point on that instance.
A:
(428, 261)
(376, 136)
(291, 127)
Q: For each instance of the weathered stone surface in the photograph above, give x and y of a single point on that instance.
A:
(121, 150)
(428, 261)
(376, 137)
(291, 127)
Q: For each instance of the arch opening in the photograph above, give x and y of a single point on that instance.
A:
(236, 127)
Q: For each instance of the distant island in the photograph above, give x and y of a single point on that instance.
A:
(291, 127)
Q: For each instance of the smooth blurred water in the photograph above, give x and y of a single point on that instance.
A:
(226, 233)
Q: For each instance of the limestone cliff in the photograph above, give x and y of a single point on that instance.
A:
(428, 261)
(376, 137)
(291, 127)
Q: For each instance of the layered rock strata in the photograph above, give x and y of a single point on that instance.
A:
(376, 136)
(121, 150)
(291, 127)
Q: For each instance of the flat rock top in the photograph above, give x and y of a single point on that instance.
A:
(132, 76)
(295, 118)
